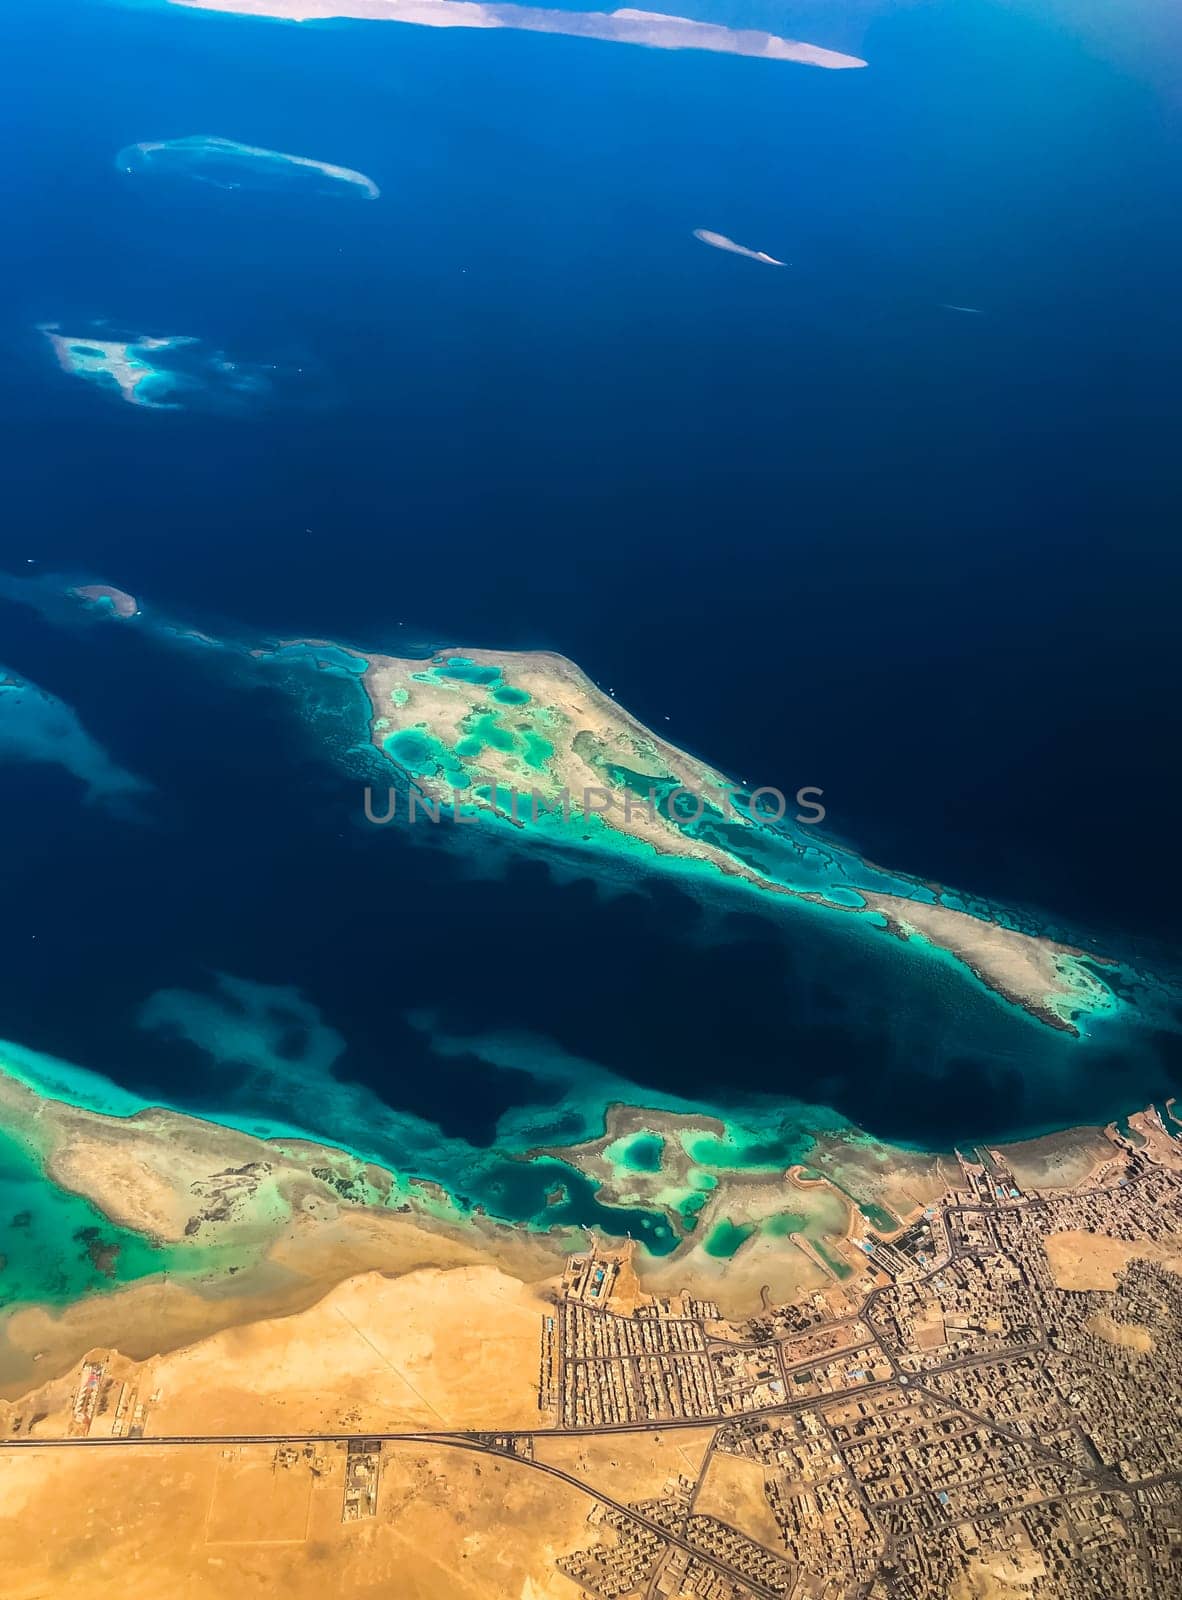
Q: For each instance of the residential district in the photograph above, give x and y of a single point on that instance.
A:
(951, 1423)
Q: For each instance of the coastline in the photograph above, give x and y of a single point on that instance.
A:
(573, 1211)
(242, 1205)
(268, 1231)
(395, 1365)
(255, 1228)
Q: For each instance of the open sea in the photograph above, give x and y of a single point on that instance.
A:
(899, 520)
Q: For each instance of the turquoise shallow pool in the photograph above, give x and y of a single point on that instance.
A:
(56, 1247)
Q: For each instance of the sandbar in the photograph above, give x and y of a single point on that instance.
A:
(719, 241)
(626, 26)
(102, 595)
(188, 153)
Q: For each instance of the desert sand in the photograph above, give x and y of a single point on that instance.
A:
(376, 1352)
(1094, 1260)
(204, 1523)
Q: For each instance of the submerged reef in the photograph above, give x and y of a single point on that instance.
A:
(225, 164)
(132, 366)
(705, 1171)
(528, 752)
(704, 1198)
(35, 726)
(526, 744)
(171, 372)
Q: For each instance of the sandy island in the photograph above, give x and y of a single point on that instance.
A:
(627, 26)
(469, 719)
(719, 241)
(102, 595)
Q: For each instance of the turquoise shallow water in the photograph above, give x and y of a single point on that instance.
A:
(243, 1024)
(514, 402)
(641, 1152)
(786, 852)
(276, 1059)
(57, 1247)
(230, 166)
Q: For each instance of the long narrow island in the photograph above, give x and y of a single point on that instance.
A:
(526, 738)
(626, 26)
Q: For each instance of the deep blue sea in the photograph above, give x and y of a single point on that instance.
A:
(836, 531)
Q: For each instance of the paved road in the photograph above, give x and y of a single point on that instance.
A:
(455, 1441)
